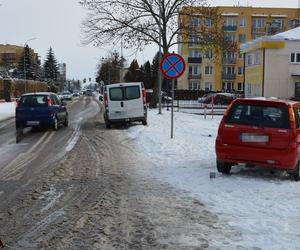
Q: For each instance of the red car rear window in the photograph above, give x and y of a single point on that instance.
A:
(262, 116)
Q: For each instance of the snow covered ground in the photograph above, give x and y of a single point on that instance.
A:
(263, 207)
(7, 110)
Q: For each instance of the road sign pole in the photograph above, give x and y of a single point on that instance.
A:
(172, 66)
(172, 111)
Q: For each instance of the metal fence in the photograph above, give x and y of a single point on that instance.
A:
(194, 107)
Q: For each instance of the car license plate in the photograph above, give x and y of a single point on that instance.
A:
(248, 137)
(33, 123)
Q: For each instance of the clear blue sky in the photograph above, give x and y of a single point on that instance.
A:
(56, 23)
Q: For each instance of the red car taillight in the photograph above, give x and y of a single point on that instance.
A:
(105, 99)
(144, 96)
(292, 117)
(49, 102)
(18, 102)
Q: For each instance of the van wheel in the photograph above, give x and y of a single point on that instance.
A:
(296, 173)
(144, 122)
(55, 124)
(223, 167)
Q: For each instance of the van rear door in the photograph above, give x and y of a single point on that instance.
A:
(116, 103)
(134, 101)
(255, 125)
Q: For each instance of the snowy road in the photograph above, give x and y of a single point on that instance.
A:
(135, 188)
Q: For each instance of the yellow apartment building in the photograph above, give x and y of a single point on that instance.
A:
(10, 55)
(210, 71)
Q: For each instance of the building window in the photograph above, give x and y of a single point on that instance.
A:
(249, 59)
(194, 53)
(278, 23)
(258, 23)
(243, 22)
(295, 57)
(230, 21)
(229, 55)
(208, 22)
(241, 70)
(195, 22)
(194, 70)
(242, 38)
(227, 86)
(230, 37)
(208, 86)
(208, 53)
(257, 58)
(229, 70)
(208, 70)
(241, 56)
(241, 86)
(194, 85)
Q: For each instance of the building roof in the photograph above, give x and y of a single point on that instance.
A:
(293, 34)
(272, 42)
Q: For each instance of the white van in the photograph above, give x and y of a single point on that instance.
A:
(125, 102)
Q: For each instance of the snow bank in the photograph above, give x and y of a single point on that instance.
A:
(265, 208)
(7, 110)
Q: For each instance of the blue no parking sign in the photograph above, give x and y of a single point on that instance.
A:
(172, 66)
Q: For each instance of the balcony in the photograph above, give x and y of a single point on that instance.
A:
(194, 60)
(228, 60)
(226, 76)
(191, 76)
(275, 30)
(230, 28)
(259, 30)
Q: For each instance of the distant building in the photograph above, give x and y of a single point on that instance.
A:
(10, 55)
(209, 70)
(272, 66)
(62, 69)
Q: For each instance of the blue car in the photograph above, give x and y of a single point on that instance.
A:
(41, 109)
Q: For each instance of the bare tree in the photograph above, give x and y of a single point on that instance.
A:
(140, 23)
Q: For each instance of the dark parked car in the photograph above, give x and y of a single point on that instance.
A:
(218, 98)
(41, 109)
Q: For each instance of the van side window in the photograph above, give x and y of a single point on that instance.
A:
(297, 117)
(116, 94)
(132, 92)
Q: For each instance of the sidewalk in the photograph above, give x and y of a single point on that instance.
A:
(7, 110)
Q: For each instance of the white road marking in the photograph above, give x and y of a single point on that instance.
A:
(74, 138)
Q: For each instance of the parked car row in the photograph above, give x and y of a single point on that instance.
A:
(67, 95)
(218, 98)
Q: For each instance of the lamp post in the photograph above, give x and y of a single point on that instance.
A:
(24, 64)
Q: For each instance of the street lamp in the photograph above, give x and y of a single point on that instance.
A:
(24, 66)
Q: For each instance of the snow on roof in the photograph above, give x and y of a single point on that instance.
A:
(293, 34)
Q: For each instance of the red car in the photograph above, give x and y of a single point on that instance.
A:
(262, 132)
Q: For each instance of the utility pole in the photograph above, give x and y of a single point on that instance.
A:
(121, 61)
(159, 60)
